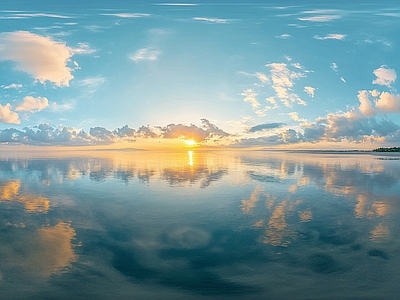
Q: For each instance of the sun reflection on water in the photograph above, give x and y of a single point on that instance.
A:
(190, 153)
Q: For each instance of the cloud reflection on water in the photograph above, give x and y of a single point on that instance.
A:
(254, 219)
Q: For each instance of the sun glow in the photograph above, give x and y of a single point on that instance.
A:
(190, 142)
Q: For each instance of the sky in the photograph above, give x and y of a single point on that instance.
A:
(232, 74)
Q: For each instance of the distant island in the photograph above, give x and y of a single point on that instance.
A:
(392, 149)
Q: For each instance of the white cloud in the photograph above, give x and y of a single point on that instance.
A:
(176, 4)
(284, 36)
(334, 67)
(331, 36)
(366, 107)
(320, 18)
(251, 97)
(91, 85)
(33, 104)
(35, 15)
(211, 20)
(145, 54)
(373, 102)
(297, 66)
(127, 15)
(15, 86)
(41, 57)
(83, 48)
(282, 82)
(272, 101)
(310, 91)
(384, 76)
(58, 108)
(295, 117)
(262, 77)
(388, 103)
(7, 115)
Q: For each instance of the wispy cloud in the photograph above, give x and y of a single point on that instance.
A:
(320, 15)
(321, 18)
(262, 77)
(211, 20)
(83, 48)
(176, 4)
(62, 107)
(41, 57)
(282, 82)
(91, 85)
(127, 15)
(36, 15)
(310, 91)
(284, 36)
(149, 54)
(15, 86)
(251, 97)
(331, 36)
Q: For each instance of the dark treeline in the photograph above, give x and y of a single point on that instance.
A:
(392, 149)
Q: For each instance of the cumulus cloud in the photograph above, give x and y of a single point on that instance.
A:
(33, 104)
(384, 76)
(47, 134)
(7, 115)
(336, 127)
(388, 103)
(374, 102)
(145, 54)
(366, 108)
(200, 134)
(331, 36)
(41, 57)
(211, 20)
(309, 90)
(266, 126)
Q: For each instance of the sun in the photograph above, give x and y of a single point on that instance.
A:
(190, 142)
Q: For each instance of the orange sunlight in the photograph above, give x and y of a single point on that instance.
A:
(190, 142)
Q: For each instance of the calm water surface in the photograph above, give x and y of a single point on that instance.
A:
(199, 225)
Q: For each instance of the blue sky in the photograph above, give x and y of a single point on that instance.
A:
(263, 74)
